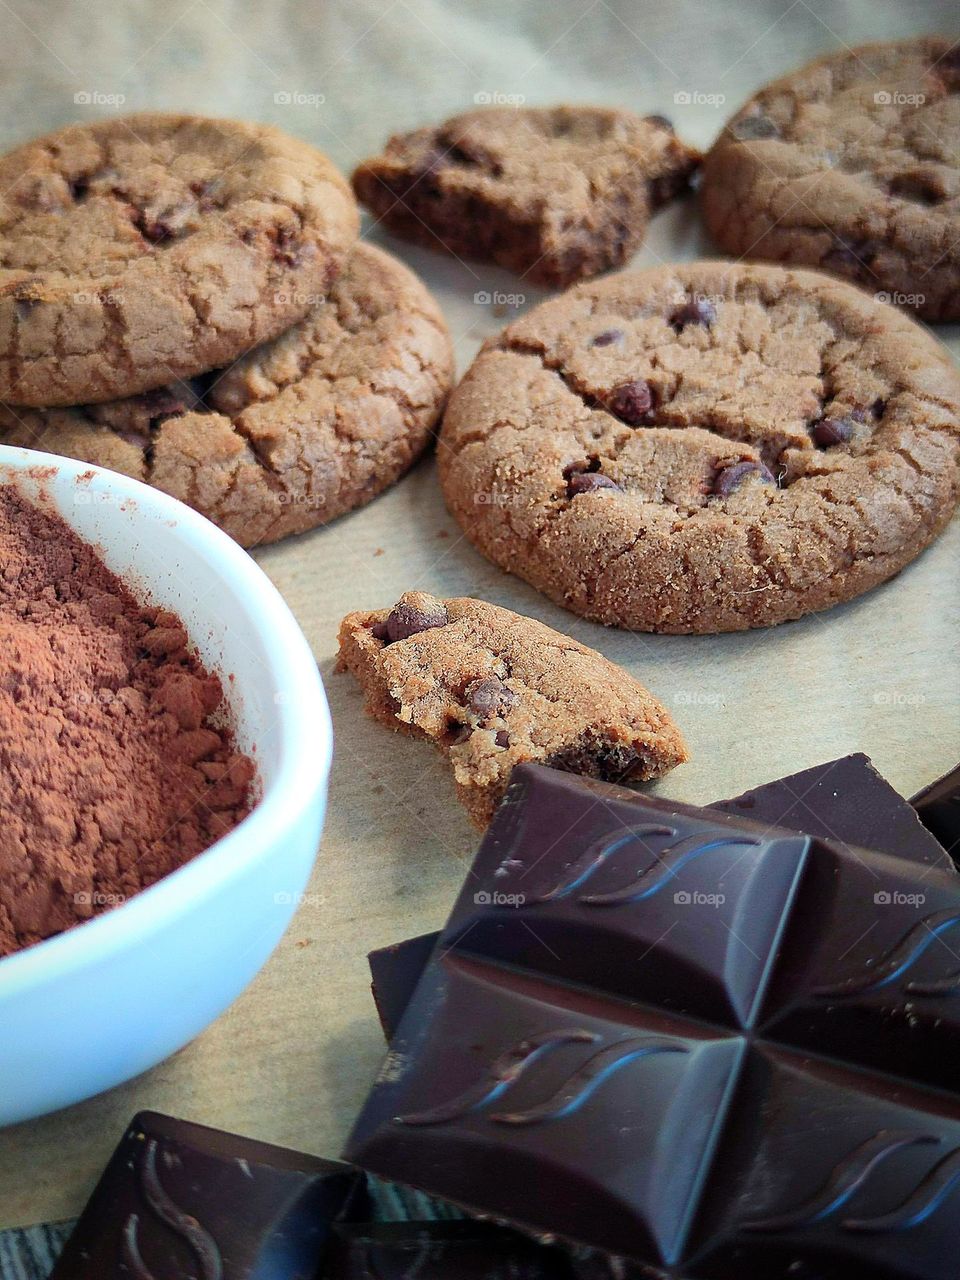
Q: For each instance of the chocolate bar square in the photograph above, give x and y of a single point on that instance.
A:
(511, 1095)
(596, 894)
(845, 801)
(833, 1173)
(180, 1200)
(869, 970)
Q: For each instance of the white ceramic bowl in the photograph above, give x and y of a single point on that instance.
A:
(92, 1007)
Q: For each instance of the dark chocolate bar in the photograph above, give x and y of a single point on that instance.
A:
(460, 1250)
(180, 1200)
(844, 800)
(689, 1039)
(938, 808)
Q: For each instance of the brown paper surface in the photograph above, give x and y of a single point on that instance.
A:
(292, 1060)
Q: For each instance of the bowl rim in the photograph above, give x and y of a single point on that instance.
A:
(305, 734)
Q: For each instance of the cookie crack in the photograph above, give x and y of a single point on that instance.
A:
(594, 403)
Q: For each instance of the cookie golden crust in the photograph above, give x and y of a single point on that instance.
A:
(303, 429)
(555, 194)
(705, 447)
(851, 164)
(146, 248)
(493, 689)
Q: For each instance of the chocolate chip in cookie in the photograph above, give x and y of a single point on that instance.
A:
(489, 695)
(732, 476)
(414, 612)
(588, 482)
(633, 402)
(830, 431)
(693, 311)
(607, 337)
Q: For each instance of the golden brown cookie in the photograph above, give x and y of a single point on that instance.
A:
(851, 164)
(705, 447)
(146, 248)
(493, 689)
(553, 193)
(305, 428)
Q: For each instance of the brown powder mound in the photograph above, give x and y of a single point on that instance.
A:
(111, 773)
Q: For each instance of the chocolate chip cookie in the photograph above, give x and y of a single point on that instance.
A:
(492, 689)
(705, 447)
(553, 193)
(152, 247)
(304, 428)
(851, 164)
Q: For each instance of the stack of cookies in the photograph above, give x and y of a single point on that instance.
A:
(184, 300)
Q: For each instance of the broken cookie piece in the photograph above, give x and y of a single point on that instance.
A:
(493, 689)
(555, 194)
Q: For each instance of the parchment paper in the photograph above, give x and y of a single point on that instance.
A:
(292, 1060)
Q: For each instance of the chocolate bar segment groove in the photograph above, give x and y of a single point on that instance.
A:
(164, 1210)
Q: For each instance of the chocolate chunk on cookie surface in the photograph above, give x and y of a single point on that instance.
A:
(851, 164)
(797, 449)
(493, 689)
(151, 247)
(303, 429)
(555, 194)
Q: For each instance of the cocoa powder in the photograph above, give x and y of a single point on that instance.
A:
(112, 773)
